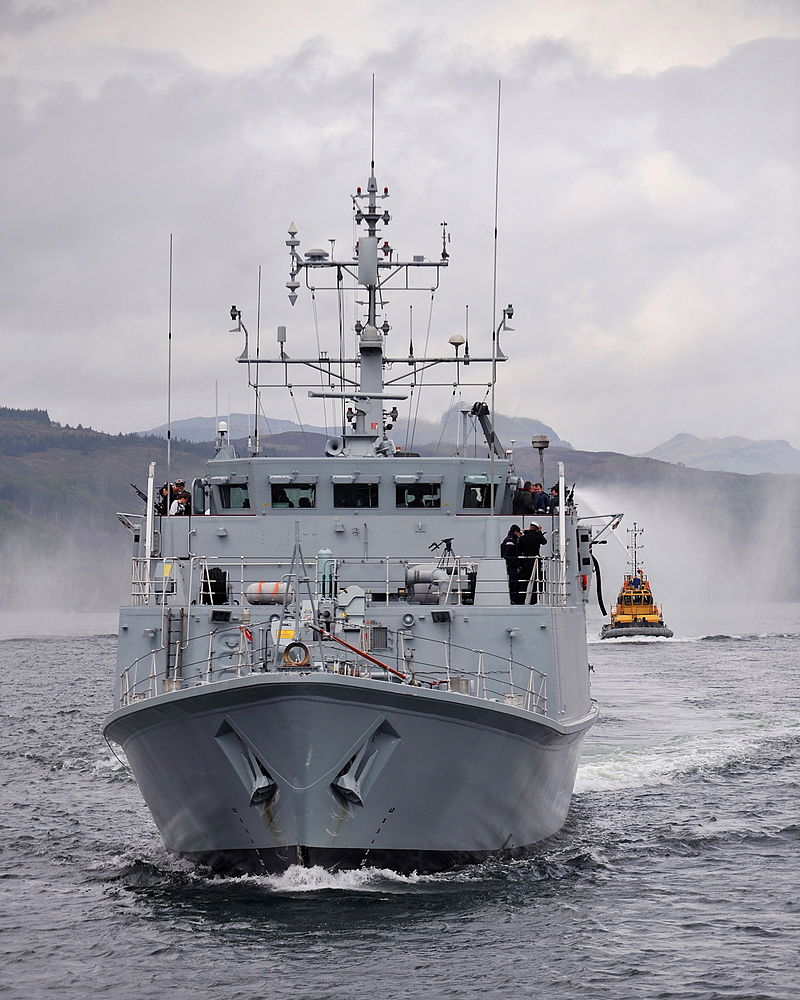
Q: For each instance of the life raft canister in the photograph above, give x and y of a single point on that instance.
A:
(269, 592)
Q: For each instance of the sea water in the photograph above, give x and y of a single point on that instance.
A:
(676, 875)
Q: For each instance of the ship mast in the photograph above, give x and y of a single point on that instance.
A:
(375, 266)
(634, 549)
(368, 423)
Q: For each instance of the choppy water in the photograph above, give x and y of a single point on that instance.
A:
(676, 876)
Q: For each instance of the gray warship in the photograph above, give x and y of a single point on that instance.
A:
(327, 661)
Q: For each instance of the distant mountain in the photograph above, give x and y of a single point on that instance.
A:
(728, 454)
(240, 425)
(426, 433)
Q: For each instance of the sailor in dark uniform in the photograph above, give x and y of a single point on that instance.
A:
(162, 500)
(522, 503)
(508, 550)
(179, 492)
(533, 538)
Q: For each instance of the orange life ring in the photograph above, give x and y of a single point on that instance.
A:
(290, 661)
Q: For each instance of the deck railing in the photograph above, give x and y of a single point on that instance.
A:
(384, 580)
(188, 661)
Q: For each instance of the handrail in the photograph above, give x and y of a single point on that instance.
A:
(433, 672)
(377, 576)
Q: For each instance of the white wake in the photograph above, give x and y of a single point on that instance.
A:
(660, 765)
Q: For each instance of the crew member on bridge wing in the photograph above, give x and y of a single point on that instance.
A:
(179, 492)
(522, 504)
(541, 502)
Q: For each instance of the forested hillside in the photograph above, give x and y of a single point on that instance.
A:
(60, 489)
(52, 475)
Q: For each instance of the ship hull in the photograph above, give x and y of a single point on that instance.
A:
(635, 631)
(264, 772)
(275, 861)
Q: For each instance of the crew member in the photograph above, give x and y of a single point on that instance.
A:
(162, 500)
(508, 550)
(522, 503)
(180, 506)
(541, 503)
(179, 491)
(529, 563)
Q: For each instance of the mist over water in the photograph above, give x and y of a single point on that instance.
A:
(707, 561)
(71, 573)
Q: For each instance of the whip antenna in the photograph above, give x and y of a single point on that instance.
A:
(257, 449)
(169, 377)
(492, 487)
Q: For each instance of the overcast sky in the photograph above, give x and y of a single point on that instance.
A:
(648, 205)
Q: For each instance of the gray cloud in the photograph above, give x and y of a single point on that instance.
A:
(648, 226)
(22, 17)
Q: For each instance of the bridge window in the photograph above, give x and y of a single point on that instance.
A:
(477, 495)
(234, 496)
(355, 494)
(418, 495)
(294, 495)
